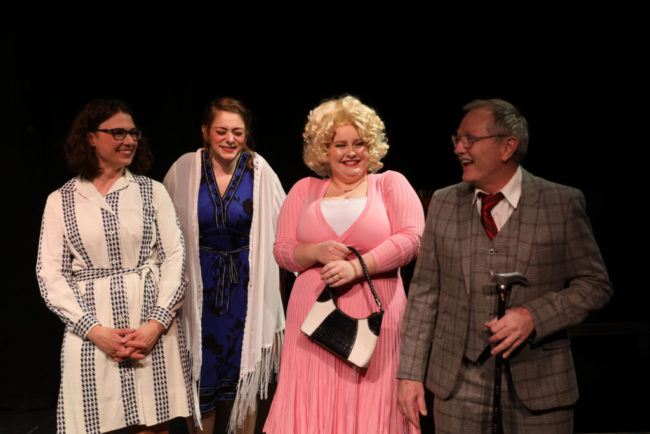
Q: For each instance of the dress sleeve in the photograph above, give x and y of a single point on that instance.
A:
(171, 256)
(406, 220)
(286, 238)
(54, 271)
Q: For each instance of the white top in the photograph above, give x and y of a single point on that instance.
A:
(340, 214)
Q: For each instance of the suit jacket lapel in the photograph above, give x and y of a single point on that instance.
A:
(465, 209)
(529, 209)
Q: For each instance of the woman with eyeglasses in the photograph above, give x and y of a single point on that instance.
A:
(228, 199)
(110, 265)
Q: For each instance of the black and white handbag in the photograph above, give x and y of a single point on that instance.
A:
(352, 339)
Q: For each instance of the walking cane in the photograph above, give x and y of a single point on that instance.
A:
(503, 282)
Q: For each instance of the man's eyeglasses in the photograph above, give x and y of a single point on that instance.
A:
(119, 134)
(468, 141)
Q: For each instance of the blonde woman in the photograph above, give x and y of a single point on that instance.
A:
(381, 216)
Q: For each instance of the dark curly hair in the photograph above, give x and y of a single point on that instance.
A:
(81, 156)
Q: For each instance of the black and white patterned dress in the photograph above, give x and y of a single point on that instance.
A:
(115, 260)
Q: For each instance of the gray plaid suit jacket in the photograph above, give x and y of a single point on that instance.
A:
(556, 251)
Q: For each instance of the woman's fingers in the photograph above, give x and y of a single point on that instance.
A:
(329, 251)
(338, 273)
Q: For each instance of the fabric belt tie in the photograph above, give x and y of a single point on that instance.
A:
(145, 271)
(225, 272)
(489, 201)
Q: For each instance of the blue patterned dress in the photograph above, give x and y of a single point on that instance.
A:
(224, 228)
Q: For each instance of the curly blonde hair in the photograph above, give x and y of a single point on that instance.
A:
(323, 121)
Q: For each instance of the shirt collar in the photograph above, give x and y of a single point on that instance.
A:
(87, 189)
(511, 191)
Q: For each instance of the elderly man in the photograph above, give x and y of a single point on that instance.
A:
(499, 219)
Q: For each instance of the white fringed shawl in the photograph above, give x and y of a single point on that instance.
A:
(264, 328)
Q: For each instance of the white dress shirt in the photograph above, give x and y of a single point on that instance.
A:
(504, 209)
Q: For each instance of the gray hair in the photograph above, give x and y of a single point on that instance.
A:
(507, 120)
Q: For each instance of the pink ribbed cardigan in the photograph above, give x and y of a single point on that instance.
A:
(317, 392)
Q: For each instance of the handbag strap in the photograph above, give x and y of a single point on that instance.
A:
(365, 271)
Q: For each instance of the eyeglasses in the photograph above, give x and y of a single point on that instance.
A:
(468, 141)
(119, 134)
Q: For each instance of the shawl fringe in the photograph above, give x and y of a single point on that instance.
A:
(256, 381)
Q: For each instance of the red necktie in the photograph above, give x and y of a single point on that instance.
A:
(489, 201)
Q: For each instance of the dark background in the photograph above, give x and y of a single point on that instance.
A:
(580, 81)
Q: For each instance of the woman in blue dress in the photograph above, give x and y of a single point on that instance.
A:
(228, 199)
